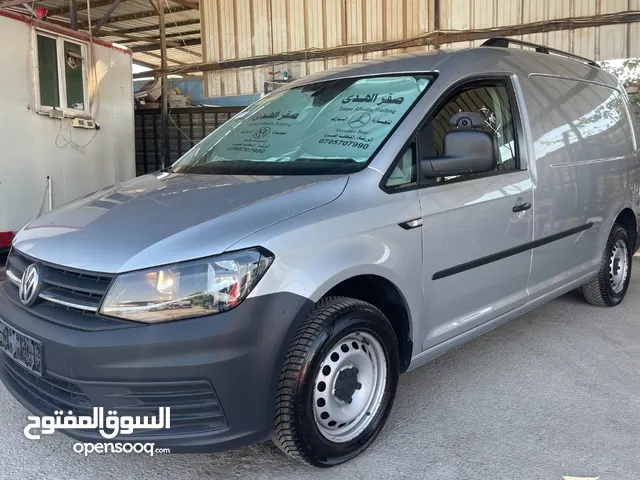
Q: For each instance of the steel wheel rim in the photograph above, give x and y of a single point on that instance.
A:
(618, 266)
(356, 369)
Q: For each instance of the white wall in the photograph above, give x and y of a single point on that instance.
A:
(28, 151)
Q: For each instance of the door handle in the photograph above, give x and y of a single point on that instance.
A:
(521, 206)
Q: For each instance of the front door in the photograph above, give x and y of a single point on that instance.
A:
(476, 227)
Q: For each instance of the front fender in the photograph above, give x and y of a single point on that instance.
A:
(357, 234)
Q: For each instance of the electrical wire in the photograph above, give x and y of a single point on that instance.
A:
(179, 129)
(46, 190)
(70, 141)
(193, 60)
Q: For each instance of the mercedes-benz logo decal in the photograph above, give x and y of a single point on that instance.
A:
(30, 285)
(359, 120)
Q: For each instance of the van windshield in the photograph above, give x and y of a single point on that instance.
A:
(322, 128)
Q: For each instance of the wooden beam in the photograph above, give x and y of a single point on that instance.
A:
(186, 50)
(187, 3)
(148, 48)
(147, 28)
(13, 3)
(144, 64)
(428, 38)
(170, 60)
(106, 16)
(154, 42)
(436, 18)
(155, 39)
(149, 40)
(139, 15)
(83, 6)
(155, 55)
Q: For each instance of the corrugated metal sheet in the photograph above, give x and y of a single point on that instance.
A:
(128, 7)
(244, 28)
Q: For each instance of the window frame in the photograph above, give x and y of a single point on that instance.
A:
(413, 146)
(476, 80)
(62, 78)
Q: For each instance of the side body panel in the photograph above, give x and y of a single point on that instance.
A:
(585, 173)
(465, 222)
(357, 234)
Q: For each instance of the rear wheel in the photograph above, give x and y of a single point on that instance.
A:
(609, 287)
(338, 383)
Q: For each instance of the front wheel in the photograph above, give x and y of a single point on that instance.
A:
(338, 383)
(609, 287)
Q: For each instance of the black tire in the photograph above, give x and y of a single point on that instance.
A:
(296, 432)
(599, 291)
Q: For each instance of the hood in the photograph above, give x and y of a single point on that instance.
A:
(164, 218)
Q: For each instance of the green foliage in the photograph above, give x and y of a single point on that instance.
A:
(628, 72)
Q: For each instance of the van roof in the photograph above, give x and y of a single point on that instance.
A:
(464, 62)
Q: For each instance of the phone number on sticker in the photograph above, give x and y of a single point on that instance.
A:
(247, 149)
(345, 143)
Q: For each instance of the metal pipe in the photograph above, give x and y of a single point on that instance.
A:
(165, 86)
(436, 21)
(89, 16)
(73, 14)
(50, 193)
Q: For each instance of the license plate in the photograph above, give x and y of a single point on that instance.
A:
(21, 348)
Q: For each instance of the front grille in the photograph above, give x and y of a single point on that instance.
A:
(194, 405)
(74, 289)
(69, 297)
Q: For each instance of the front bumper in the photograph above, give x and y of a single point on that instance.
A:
(218, 373)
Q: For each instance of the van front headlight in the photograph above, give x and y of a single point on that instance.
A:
(184, 290)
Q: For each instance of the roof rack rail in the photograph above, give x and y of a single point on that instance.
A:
(504, 42)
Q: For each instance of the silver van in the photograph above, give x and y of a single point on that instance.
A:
(352, 225)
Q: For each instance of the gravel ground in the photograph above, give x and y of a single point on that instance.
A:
(555, 392)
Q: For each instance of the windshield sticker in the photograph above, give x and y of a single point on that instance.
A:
(336, 121)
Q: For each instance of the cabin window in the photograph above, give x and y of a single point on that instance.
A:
(61, 75)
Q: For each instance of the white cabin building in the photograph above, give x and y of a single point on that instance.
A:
(66, 118)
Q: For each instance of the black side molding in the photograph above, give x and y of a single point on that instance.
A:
(494, 257)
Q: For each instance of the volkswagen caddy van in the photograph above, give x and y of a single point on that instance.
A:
(354, 224)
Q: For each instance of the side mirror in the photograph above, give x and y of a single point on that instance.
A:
(465, 151)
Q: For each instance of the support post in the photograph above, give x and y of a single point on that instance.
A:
(73, 15)
(165, 87)
(436, 22)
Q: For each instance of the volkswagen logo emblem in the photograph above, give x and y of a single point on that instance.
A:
(30, 285)
(262, 132)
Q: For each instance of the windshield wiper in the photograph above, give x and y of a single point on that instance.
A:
(348, 161)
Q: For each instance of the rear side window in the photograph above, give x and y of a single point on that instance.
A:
(575, 121)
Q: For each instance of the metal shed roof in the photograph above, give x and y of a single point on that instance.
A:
(131, 23)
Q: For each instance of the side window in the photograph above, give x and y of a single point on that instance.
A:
(61, 74)
(492, 102)
(404, 173)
